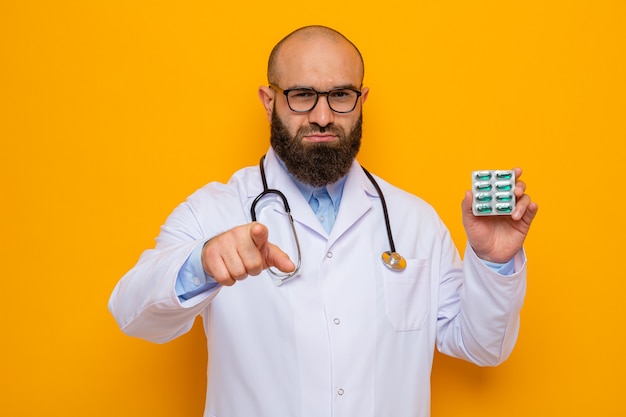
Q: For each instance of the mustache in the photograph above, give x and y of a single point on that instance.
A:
(315, 128)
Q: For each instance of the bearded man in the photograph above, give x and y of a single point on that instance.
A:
(303, 316)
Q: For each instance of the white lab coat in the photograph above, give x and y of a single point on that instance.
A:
(347, 337)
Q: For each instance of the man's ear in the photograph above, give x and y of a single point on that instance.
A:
(364, 93)
(266, 94)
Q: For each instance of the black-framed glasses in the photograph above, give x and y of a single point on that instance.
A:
(304, 99)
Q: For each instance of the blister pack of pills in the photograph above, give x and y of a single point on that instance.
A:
(493, 192)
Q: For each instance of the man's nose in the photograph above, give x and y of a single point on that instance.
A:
(322, 114)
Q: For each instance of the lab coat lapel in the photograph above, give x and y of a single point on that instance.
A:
(355, 201)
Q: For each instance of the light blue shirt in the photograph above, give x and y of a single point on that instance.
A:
(325, 201)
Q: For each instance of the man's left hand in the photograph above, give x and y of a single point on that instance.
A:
(499, 238)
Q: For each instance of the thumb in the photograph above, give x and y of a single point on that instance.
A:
(467, 201)
(273, 256)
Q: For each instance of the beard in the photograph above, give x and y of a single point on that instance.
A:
(321, 163)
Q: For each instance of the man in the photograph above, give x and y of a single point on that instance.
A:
(346, 335)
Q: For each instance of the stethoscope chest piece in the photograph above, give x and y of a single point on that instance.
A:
(393, 260)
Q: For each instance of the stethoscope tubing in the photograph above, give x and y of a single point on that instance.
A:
(383, 203)
(266, 191)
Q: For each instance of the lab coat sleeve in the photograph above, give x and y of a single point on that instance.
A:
(144, 302)
(479, 313)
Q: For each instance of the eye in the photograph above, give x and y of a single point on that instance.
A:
(340, 94)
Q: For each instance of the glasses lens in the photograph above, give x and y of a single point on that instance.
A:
(342, 101)
(302, 99)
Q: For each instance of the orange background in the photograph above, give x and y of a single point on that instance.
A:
(112, 112)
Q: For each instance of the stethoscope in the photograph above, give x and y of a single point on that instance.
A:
(391, 259)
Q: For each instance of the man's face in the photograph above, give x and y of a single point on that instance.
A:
(318, 146)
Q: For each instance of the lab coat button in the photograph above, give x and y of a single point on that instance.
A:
(336, 321)
(329, 255)
(340, 392)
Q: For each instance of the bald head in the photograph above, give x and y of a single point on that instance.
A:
(304, 41)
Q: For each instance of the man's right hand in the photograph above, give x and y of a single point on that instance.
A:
(242, 251)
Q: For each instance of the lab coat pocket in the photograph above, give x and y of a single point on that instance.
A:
(407, 295)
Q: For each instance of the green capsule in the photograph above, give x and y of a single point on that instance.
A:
(483, 197)
(504, 186)
(504, 175)
(483, 208)
(483, 186)
(482, 175)
(504, 197)
(504, 208)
